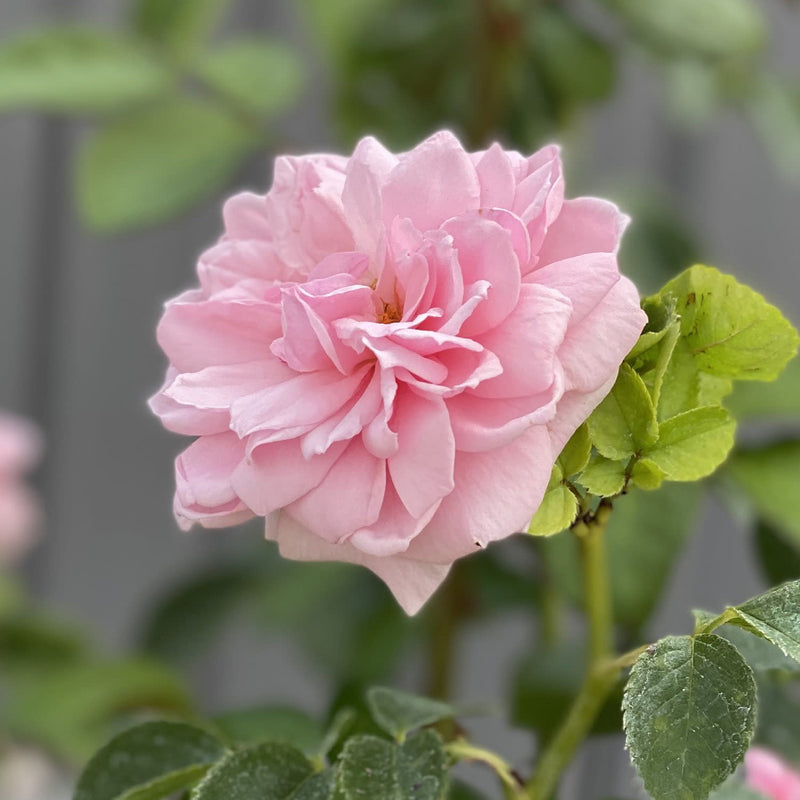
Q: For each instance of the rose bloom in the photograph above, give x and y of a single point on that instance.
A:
(767, 774)
(386, 353)
(19, 510)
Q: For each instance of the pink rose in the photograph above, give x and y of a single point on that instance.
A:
(387, 353)
(767, 774)
(19, 511)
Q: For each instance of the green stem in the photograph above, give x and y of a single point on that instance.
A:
(464, 751)
(598, 592)
(602, 672)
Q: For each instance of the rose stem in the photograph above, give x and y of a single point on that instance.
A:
(602, 670)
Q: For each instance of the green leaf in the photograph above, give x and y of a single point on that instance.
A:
(71, 710)
(557, 511)
(715, 28)
(768, 474)
(604, 477)
(374, 768)
(73, 71)
(261, 74)
(149, 762)
(647, 475)
(780, 399)
(180, 25)
(731, 330)
(779, 558)
(275, 771)
(399, 712)
(689, 714)
(250, 726)
(145, 167)
(680, 387)
(625, 422)
(775, 615)
(545, 685)
(576, 452)
(692, 445)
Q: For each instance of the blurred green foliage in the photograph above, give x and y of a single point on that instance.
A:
(175, 109)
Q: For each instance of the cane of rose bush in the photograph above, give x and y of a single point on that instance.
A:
(19, 510)
(386, 353)
(769, 775)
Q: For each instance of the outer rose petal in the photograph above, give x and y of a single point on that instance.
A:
(203, 483)
(412, 582)
(491, 500)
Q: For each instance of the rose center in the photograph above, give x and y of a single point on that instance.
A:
(389, 314)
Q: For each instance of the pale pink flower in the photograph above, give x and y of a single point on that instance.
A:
(387, 353)
(769, 775)
(19, 510)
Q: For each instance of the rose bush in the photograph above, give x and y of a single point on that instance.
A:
(19, 510)
(770, 776)
(386, 353)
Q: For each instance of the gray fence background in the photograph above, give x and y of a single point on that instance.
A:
(77, 353)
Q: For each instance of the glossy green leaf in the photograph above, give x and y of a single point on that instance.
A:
(180, 25)
(72, 70)
(262, 75)
(775, 615)
(692, 445)
(557, 511)
(143, 168)
(768, 475)
(374, 768)
(731, 330)
(715, 28)
(273, 770)
(680, 387)
(399, 712)
(72, 709)
(604, 477)
(576, 452)
(149, 762)
(647, 475)
(625, 422)
(249, 726)
(689, 715)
